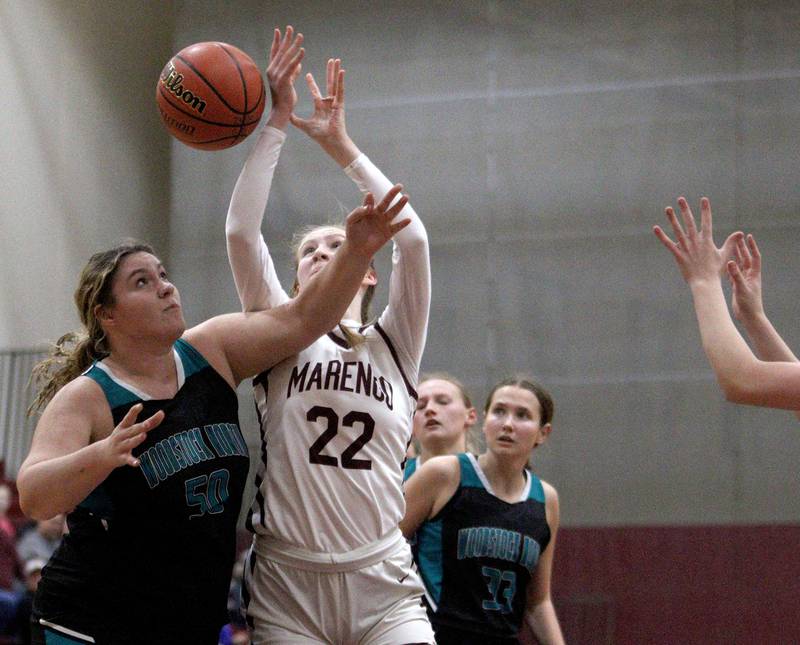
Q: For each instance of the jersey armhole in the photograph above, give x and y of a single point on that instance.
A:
(454, 497)
(193, 361)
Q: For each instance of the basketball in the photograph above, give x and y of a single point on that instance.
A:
(210, 95)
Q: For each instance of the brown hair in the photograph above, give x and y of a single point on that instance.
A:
(353, 337)
(543, 396)
(444, 376)
(75, 351)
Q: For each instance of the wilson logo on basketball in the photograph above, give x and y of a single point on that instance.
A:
(171, 79)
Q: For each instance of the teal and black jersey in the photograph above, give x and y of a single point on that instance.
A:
(477, 556)
(410, 468)
(150, 551)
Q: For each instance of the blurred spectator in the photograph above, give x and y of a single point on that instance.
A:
(40, 542)
(233, 635)
(10, 569)
(10, 596)
(235, 632)
(6, 525)
(32, 571)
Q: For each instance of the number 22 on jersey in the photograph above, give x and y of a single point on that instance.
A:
(331, 421)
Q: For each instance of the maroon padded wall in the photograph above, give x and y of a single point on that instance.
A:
(689, 585)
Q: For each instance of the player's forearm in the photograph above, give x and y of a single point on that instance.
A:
(725, 348)
(279, 117)
(324, 299)
(58, 485)
(247, 252)
(766, 341)
(369, 178)
(341, 149)
(251, 192)
(542, 620)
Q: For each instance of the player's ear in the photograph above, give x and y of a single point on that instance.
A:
(103, 313)
(472, 417)
(371, 278)
(544, 432)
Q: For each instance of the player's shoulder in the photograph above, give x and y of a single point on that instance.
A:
(82, 401)
(439, 470)
(81, 393)
(551, 502)
(549, 490)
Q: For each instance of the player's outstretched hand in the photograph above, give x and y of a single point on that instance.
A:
(745, 276)
(370, 225)
(697, 256)
(326, 125)
(119, 445)
(284, 67)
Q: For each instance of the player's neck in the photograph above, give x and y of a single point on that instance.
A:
(354, 310)
(429, 452)
(152, 367)
(505, 475)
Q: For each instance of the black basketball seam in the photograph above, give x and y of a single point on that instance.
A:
(241, 78)
(262, 93)
(211, 87)
(193, 142)
(167, 97)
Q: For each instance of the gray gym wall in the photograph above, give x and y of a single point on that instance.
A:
(538, 141)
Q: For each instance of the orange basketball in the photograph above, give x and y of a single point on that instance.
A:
(210, 95)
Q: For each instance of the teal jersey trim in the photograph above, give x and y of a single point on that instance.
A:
(469, 477)
(537, 490)
(54, 638)
(192, 360)
(429, 541)
(115, 393)
(410, 469)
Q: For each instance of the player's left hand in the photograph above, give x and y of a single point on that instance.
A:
(745, 277)
(370, 225)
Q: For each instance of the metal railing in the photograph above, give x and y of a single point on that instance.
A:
(16, 428)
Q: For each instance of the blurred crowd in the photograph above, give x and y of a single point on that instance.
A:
(25, 548)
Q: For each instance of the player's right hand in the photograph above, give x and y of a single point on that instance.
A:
(118, 446)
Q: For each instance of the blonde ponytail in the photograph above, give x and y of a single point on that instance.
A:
(69, 357)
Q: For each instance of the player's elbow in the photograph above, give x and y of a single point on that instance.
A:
(417, 245)
(32, 504)
(235, 236)
(736, 390)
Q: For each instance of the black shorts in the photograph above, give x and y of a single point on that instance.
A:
(452, 636)
(44, 632)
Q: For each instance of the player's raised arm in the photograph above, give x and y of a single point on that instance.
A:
(406, 317)
(742, 377)
(253, 270)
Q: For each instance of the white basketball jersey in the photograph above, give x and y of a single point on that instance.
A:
(335, 425)
(335, 420)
